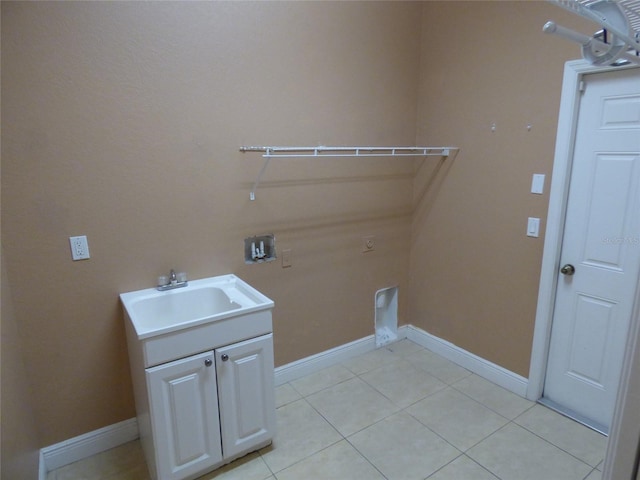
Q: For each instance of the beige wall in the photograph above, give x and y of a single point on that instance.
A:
(122, 121)
(19, 435)
(19, 441)
(474, 272)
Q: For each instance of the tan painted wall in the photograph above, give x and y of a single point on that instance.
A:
(474, 272)
(122, 121)
(20, 441)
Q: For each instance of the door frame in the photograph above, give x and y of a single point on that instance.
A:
(558, 196)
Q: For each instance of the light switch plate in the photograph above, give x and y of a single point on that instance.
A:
(537, 184)
(533, 227)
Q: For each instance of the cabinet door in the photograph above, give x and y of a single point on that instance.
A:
(184, 416)
(246, 394)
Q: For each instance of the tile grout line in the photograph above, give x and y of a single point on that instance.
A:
(444, 466)
(513, 420)
(343, 438)
(365, 457)
(589, 474)
(552, 444)
(347, 439)
(275, 474)
(313, 453)
(463, 454)
(534, 434)
(483, 467)
(401, 410)
(404, 409)
(533, 404)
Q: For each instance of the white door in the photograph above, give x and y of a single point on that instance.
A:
(247, 403)
(184, 416)
(600, 258)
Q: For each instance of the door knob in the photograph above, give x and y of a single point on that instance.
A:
(224, 357)
(208, 362)
(568, 269)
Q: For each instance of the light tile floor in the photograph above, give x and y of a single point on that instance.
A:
(397, 413)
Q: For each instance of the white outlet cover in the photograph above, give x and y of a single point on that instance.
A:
(79, 247)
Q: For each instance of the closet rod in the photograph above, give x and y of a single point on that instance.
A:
(321, 151)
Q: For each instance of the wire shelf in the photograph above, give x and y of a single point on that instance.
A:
(323, 151)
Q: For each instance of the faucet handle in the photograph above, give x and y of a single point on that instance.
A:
(174, 280)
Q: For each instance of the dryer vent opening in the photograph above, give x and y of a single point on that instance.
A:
(386, 316)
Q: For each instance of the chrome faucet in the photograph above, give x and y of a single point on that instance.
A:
(174, 280)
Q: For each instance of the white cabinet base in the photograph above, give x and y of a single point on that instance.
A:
(203, 411)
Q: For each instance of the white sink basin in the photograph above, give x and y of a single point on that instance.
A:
(202, 301)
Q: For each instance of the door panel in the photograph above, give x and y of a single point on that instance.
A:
(602, 241)
(610, 200)
(588, 354)
(621, 112)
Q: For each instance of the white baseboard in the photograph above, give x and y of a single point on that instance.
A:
(484, 368)
(86, 445)
(83, 446)
(333, 356)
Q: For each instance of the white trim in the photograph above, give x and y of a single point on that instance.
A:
(569, 102)
(484, 368)
(305, 366)
(83, 446)
(624, 442)
(88, 444)
(42, 467)
(560, 178)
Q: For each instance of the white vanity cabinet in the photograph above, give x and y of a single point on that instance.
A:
(210, 407)
(201, 361)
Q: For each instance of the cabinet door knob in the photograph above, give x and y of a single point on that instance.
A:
(208, 362)
(224, 357)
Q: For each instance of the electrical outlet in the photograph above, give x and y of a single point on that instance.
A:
(368, 243)
(79, 247)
